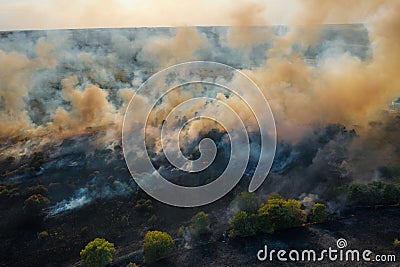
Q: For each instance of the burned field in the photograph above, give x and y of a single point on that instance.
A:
(91, 194)
(64, 181)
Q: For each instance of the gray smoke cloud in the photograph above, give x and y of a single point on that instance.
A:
(93, 190)
(318, 79)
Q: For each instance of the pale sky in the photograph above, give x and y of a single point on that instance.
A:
(61, 14)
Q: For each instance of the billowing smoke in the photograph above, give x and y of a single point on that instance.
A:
(89, 108)
(329, 87)
(348, 81)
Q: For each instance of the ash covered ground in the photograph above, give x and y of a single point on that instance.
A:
(92, 194)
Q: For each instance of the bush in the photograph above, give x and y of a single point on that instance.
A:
(181, 231)
(152, 221)
(248, 203)
(131, 264)
(389, 172)
(391, 194)
(373, 194)
(37, 160)
(243, 224)
(43, 235)
(144, 205)
(200, 224)
(97, 253)
(34, 204)
(38, 189)
(125, 220)
(4, 191)
(278, 214)
(157, 245)
(318, 213)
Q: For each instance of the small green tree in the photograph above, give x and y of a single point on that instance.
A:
(34, 204)
(97, 253)
(200, 223)
(157, 245)
(144, 205)
(318, 213)
(243, 224)
(391, 194)
(247, 201)
(131, 264)
(37, 160)
(38, 189)
(278, 214)
(374, 193)
(152, 221)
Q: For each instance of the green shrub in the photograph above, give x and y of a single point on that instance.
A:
(131, 264)
(181, 231)
(365, 194)
(144, 205)
(388, 171)
(3, 190)
(248, 202)
(97, 253)
(244, 224)
(37, 160)
(38, 189)
(200, 224)
(318, 213)
(43, 235)
(34, 204)
(125, 220)
(157, 245)
(373, 193)
(391, 194)
(152, 221)
(278, 214)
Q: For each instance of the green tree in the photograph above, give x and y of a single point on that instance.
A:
(358, 194)
(144, 205)
(37, 160)
(200, 223)
(34, 204)
(278, 214)
(247, 201)
(157, 245)
(152, 221)
(38, 189)
(373, 193)
(97, 253)
(243, 224)
(131, 264)
(391, 194)
(396, 242)
(318, 213)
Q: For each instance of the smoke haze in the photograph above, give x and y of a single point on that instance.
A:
(322, 81)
